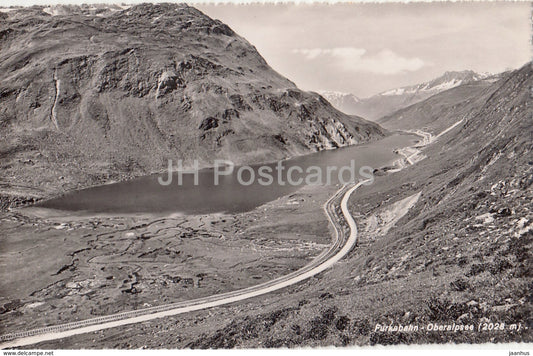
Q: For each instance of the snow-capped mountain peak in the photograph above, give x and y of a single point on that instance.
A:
(338, 96)
(391, 100)
(448, 80)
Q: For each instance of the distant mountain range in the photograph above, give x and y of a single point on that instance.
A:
(341, 100)
(387, 102)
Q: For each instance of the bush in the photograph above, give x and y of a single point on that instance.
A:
(444, 310)
(362, 327)
(460, 285)
(500, 265)
(320, 325)
(342, 322)
(476, 269)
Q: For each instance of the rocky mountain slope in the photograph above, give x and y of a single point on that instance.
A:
(382, 104)
(460, 254)
(96, 94)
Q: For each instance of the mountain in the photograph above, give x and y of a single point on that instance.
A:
(438, 112)
(446, 81)
(345, 102)
(460, 253)
(92, 94)
(389, 101)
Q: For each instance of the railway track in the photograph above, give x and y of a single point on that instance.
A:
(342, 244)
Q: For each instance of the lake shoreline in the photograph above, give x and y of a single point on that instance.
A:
(146, 196)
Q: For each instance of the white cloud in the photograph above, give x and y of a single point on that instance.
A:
(357, 60)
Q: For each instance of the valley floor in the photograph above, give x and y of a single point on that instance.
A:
(102, 265)
(469, 269)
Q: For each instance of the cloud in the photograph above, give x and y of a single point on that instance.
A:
(357, 60)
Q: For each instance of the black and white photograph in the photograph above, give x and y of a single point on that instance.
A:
(298, 176)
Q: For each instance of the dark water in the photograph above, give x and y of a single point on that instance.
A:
(146, 195)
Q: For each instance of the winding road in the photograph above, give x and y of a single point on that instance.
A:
(340, 247)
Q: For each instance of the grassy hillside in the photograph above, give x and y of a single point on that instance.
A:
(441, 110)
(461, 253)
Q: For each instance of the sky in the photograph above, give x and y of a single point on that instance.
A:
(367, 48)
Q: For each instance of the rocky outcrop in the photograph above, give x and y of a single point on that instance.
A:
(109, 93)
